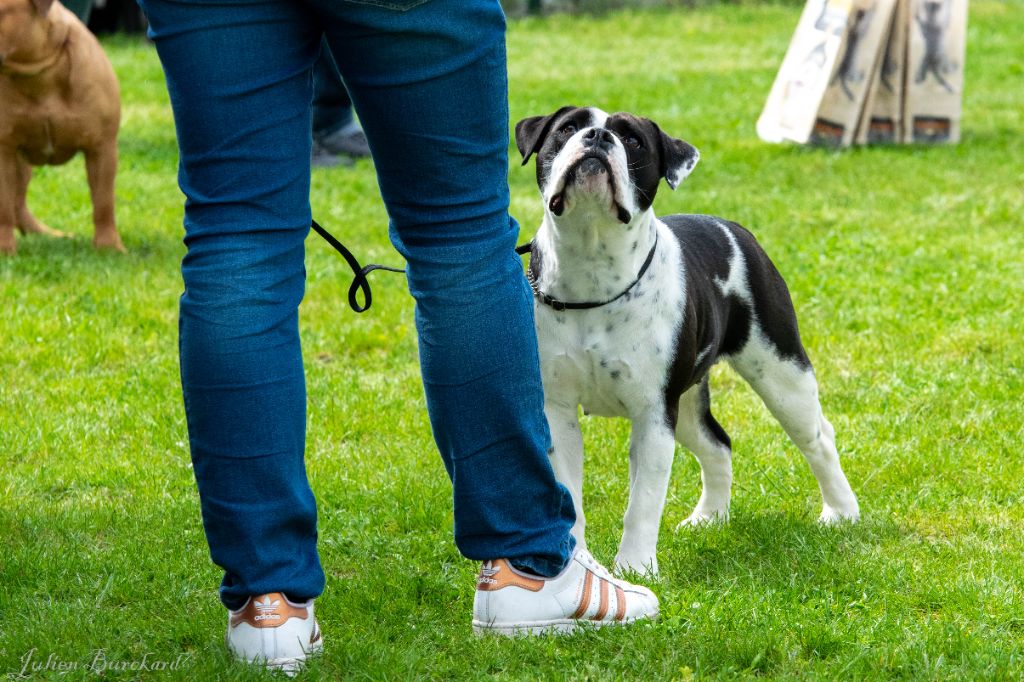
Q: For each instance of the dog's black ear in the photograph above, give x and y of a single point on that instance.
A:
(678, 158)
(530, 132)
(42, 6)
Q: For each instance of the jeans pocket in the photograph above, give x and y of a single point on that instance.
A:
(399, 5)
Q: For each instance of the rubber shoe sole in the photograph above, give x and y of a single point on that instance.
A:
(563, 626)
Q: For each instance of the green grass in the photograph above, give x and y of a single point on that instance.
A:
(906, 269)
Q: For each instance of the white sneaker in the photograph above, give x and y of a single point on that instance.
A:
(510, 602)
(273, 631)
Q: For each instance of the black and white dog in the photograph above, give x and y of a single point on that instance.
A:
(633, 310)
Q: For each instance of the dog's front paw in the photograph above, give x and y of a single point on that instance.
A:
(111, 242)
(701, 518)
(833, 516)
(641, 565)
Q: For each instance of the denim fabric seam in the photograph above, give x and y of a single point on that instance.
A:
(393, 5)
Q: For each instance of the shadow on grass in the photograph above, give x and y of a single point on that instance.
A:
(776, 552)
(47, 259)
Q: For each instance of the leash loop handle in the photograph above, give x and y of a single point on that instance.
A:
(359, 272)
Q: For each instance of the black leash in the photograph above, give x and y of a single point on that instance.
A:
(360, 283)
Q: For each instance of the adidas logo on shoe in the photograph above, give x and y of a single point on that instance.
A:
(487, 574)
(266, 609)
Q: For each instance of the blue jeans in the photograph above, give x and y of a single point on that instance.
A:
(332, 107)
(429, 83)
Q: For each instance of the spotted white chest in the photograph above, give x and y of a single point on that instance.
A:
(614, 360)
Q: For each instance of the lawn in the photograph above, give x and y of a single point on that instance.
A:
(906, 269)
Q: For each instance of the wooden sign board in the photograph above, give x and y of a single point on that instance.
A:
(882, 119)
(870, 71)
(805, 73)
(935, 70)
(864, 43)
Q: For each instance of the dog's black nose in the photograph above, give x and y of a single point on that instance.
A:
(598, 137)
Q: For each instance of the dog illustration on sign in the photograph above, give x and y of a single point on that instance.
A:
(933, 22)
(830, 21)
(847, 71)
(890, 67)
(829, 25)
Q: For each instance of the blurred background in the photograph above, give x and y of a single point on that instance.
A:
(112, 16)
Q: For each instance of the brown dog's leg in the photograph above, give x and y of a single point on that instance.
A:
(26, 222)
(8, 184)
(101, 166)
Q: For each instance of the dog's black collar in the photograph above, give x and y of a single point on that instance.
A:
(584, 305)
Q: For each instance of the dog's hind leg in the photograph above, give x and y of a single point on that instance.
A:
(651, 450)
(567, 459)
(699, 432)
(26, 222)
(790, 391)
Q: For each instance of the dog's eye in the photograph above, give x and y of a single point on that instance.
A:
(633, 142)
(568, 129)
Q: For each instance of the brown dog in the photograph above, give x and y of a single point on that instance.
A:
(58, 96)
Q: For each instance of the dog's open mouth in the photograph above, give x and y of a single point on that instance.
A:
(583, 173)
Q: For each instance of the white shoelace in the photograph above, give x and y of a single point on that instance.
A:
(594, 567)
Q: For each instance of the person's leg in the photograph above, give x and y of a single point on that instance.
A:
(431, 91)
(332, 108)
(337, 137)
(238, 76)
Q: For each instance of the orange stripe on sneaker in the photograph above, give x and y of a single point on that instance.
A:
(620, 603)
(602, 609)
(585, 601)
